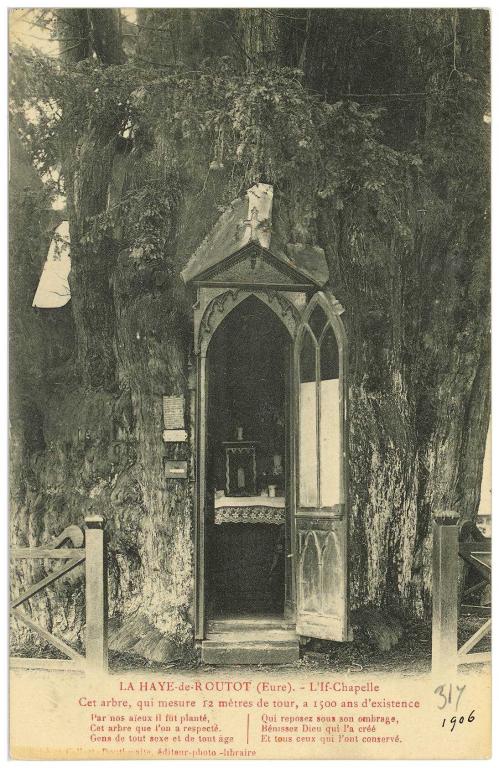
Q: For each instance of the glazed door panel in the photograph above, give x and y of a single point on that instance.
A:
(321, 524)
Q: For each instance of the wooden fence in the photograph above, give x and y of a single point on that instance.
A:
(447, 549)
(89, 549)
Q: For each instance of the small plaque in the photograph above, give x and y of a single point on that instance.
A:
(174, 435)
(175, 469)
(173, 412)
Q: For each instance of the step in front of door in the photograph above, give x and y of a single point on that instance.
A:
(249, 624)
(263, 646)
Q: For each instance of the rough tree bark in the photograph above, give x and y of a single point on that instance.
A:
(102, 423)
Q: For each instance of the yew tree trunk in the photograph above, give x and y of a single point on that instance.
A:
(100, 449)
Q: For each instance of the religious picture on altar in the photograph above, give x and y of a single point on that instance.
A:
(250, 401)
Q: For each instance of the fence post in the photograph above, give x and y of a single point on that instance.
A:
(445, 591)
(96, 594)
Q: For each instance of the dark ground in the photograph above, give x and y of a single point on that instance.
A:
(381, 645)
(410, 656)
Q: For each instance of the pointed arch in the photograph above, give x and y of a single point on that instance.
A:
(333, 309)
(223, 304)
(309, 573)
(330, 557)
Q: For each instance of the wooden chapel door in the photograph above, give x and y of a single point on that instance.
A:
(320, 511)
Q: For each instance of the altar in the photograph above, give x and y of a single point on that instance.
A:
(250, 509)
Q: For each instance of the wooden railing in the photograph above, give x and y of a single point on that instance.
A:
(447, 549)
(89, 549)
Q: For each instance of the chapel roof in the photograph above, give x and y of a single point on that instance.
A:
(247, 220)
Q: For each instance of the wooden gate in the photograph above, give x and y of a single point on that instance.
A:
(446, 655)
(88, 548)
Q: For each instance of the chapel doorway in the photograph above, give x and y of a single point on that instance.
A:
(247, 515)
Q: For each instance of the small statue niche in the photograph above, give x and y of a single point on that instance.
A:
(240, 467)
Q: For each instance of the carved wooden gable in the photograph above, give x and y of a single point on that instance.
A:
(254, 266)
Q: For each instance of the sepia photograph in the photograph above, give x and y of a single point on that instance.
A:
(249, 382)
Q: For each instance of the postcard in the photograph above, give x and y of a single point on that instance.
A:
(250, 485)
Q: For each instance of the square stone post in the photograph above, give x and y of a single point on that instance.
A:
(96, 594)
(445, 592)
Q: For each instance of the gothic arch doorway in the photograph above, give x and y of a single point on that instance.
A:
(264, 361)
(259, 324)
(247, 520)
(300, 342)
